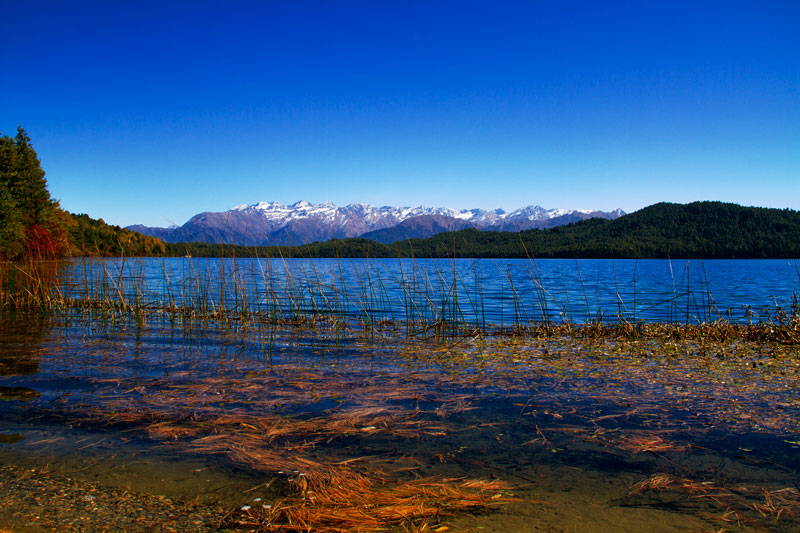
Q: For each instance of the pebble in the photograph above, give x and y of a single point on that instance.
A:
(37, 499)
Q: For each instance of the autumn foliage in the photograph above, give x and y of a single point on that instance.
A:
(33, 225)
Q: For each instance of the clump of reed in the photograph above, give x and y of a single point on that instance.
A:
(418, 298)
(29, 284)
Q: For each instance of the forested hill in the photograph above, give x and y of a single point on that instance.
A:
(33, 225)
(697, 230)
(94, 238)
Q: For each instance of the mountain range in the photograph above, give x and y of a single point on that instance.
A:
(272, 223)
(702, 230)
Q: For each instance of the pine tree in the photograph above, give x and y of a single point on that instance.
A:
(32, 197)
(12, 231)
(31, 222)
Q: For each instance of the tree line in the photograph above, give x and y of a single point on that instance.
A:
(33, 225)
(708, 230)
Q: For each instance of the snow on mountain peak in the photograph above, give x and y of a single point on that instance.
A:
(372, 217)
(269, 223)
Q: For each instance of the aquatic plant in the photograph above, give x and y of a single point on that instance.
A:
(356, 446)
(420, 298)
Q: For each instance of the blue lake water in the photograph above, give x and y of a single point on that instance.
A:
(482, 292)
(588, 434)
(612, 434)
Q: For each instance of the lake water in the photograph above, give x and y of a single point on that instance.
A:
(481, 292)
(299, 422)
(595, 435)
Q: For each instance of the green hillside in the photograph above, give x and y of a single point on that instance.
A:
(94, 238)
(697, 230)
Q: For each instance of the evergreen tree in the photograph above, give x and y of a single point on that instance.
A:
(12, 232)
(31, 223)
(30, 188)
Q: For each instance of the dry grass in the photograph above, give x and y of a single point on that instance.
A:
(327, 494)
(341, 500)
(642, 441)
(738, 501)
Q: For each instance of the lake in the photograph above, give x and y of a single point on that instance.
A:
(480, 292)
(136, 421)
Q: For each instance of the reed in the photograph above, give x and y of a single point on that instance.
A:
(420, 297)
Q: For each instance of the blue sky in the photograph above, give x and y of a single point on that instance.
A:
(150, 112)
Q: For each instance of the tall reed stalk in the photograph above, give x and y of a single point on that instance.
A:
(420, 296)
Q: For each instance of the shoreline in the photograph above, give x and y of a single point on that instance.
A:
(36, 499)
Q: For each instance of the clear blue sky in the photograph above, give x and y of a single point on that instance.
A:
(150, 112)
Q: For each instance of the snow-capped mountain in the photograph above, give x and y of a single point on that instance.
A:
(272, 223)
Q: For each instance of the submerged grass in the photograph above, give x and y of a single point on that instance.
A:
(738, 501)
(356, 440)
(700, 365)
(325, 495)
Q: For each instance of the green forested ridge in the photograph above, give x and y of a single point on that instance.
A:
(710, 230)
(95, 238)
(696, 230)
(32, 225)
(356, 247)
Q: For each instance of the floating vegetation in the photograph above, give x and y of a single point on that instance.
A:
(330, 494)
(353, 502)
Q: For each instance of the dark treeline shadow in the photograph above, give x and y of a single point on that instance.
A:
(22, 332)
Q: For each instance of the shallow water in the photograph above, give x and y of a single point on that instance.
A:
(221, 416)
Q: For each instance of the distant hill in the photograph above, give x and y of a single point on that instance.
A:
(696, 230)
(94, 238)
(700, 229)
(159, 233)
(418, 228)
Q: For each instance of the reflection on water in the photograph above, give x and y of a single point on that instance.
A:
(10, 439)
(621, 435)
(21, 334)
(18, 393)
